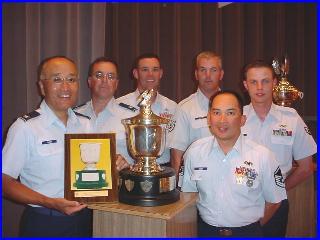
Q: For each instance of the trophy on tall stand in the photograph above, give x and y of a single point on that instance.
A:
(147, 183)
(284, 94)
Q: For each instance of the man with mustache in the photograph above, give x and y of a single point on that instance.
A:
(104, 111)
(34, 153)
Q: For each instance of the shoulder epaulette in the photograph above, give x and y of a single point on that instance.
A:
(30, 115)
(131, 108)
(82, 115)
(81, 105)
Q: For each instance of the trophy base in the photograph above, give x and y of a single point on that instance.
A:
(148, 190)
(90, 179)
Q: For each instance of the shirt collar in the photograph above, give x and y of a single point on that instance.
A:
(202, 99)
(108, 109)
(237, 146)
(273, 113)
(50, 117)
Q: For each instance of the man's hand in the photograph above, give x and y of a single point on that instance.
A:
(65, 206)
(121, 162)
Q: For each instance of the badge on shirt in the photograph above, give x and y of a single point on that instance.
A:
(283, 130)
(166, 114)
(246, 175)
(197, 173)
(307, 130)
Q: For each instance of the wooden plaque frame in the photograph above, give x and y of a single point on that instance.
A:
(106, 164)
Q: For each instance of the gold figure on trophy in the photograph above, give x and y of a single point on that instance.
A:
(284, 93)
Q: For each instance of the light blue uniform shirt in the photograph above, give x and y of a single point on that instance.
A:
(283, 132)
(34, 150)
(109, 121)
(190, 121)
(232, 188)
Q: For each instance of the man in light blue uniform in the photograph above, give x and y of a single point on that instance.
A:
(34, 152)
(239, 182)
(191, 115)
(280, 129)
(104, 111)
(148, 73)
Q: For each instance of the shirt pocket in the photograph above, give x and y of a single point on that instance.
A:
(48, 147)
(201, 128)
(282, 140)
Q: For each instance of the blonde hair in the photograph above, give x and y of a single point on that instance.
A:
(207, 55)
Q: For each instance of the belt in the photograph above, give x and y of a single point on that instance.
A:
(229, 231)
(47, 211)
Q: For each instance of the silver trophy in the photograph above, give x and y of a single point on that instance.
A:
(284, 93)
(147, 183)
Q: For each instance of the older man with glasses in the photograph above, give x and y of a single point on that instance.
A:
(104, 111)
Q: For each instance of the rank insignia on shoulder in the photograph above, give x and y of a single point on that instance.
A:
(278, 178)
(127, 106)
(30, 115)
(79, 106)
(81, 115)
(307, 130)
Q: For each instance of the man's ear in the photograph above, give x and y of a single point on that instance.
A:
(135, 73)
(89, 81)
(222, 74)
(245, 84)
(41, 87)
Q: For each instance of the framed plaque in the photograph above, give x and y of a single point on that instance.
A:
(90, 172)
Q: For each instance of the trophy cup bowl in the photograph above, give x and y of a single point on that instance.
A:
(147, 183)
(90, 154)
(90, 177)
(284, 94)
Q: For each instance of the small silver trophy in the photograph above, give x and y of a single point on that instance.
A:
(284, 93)
(147, 183)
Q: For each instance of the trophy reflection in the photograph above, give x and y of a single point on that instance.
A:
(90, 177)
(147, 183)
(284, 93)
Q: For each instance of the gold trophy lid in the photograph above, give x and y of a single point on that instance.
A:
(146, 116)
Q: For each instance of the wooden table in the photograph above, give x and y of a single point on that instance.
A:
(178, 219)
(302, 210)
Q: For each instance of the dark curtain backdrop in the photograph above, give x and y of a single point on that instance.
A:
(240, 32)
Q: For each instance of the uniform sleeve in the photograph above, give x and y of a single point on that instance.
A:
(304, 144)
(273, 186)
(188, 185)
(180, 135)
(15, 151)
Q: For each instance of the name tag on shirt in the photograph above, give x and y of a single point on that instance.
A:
(49, 141)
(197, 173)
